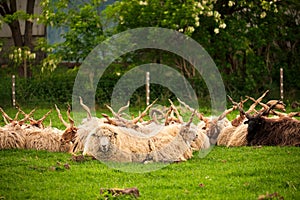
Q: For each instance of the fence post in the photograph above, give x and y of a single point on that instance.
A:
(281, 83)
(13, 90)
(147, 88)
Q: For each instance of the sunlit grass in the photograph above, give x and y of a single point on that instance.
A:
(225, 173)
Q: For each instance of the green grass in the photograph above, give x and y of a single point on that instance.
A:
(225, 173)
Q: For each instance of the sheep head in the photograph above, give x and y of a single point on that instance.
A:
(104, 138)
(70, 131)
(188, 132)
(254, 121)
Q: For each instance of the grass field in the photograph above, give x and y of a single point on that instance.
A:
(225, 173)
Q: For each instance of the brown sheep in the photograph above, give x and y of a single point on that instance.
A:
(282, 131)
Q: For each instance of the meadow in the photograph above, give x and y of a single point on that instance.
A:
(225, 173)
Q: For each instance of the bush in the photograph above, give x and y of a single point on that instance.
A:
(5, 91)
(57, 88)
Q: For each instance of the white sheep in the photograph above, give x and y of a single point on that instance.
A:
(46, 139)
(238, 137)
(121, 144)
(11, 138)
(84, 129)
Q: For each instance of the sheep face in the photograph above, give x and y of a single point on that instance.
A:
(253, 125)
(213, 131)
(69, 134)
(188, 134)
(104, 139)
(214, 128)
(65, 146)
(106, 142)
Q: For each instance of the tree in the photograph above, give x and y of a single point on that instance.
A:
(183, 16)
(80, 20)
(11, 16)
(83, 30)
(248, 40)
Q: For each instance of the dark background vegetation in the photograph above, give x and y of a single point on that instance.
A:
(260, 37)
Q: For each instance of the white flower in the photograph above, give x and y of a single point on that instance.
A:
(210, 13)
(197, 24)
(200, 6)
(32, 56)
(263, 15)
(190, 29)
(180, 30)
(143, 3)
(217, 14)
(216, 30)
(231, 3)
(223, 25)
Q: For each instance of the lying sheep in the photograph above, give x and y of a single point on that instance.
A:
(225, 135)
(85, 128)
(235, 133)
(11, 138)
(83, 131)
(238, 137)
(108, 142)
(201, 142)
(211, 125)
(262, 130)
(13, 134)
(46, 139)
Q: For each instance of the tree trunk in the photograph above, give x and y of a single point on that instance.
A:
(28, 25)
(16, 33)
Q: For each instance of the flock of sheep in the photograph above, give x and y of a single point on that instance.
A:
(165, 137)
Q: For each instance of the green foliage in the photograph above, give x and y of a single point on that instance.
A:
(247, 39)
(5, 91)
(184, 16)
(18, 15)
(225, 173)
(46, 89)
(82, 24)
